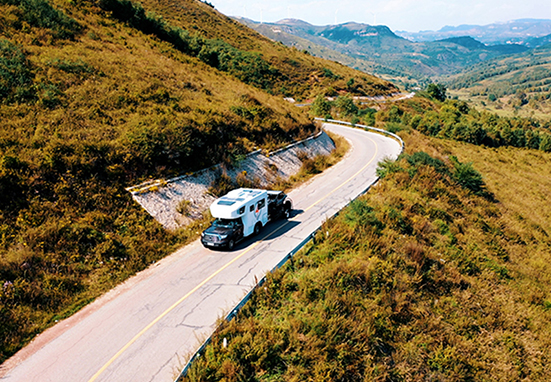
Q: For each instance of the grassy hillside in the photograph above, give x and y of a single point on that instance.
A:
(96, 96)
(438, 273)
(515, 85)
(299, 74)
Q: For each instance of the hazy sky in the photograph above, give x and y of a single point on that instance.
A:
(407, 15)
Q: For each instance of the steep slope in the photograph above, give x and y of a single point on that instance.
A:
(421, 279)
(300, 75)
(96, 96)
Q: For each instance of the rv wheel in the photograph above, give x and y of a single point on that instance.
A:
(231, 244)
(257, 228)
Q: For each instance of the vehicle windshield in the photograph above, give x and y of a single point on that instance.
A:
(224, 223)
(274, 195)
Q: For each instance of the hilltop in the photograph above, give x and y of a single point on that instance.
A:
(96, 96)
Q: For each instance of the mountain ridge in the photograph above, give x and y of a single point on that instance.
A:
(521, 31)
(386, 53)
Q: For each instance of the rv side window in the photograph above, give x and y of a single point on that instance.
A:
(242, 210)
(251, 208)
(261, 203)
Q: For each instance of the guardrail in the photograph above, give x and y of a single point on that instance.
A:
(381, 131)
(233, 313)
(147, 185)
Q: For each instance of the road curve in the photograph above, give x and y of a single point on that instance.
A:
(144, 329)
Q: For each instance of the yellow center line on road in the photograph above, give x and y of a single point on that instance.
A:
(202, 283)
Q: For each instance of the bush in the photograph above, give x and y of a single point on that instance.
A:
(221, 185)
(184, 207)
(424, 159)
(16, 78)
(468, 177)
(346, 106)
(386, 167)
(39, 13)
(545, 143)
(437, 91)
(360, 213)
(321, 107)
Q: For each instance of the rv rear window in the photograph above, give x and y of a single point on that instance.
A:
(251, 208)
(226, 202)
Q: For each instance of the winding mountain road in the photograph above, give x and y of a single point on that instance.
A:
(144, 329)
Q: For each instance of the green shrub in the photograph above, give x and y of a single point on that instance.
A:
(468, 177)
(421, 158)
(545, 143)
(346, 106)
(387, 166)
(41, 14)
(437, 91)
(320, 107)
(16, 77)
(360, 213)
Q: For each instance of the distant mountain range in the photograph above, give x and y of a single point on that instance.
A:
(523, 31)
(380, 51)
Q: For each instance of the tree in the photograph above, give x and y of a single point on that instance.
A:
(321, 107)
(437, 91)
(545, 143)
(346, 105)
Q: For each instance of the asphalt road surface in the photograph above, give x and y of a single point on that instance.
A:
(144, 329)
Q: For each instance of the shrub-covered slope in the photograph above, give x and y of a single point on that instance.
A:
(519, 83)
(96, 96)
(295, 73)
(432, 275)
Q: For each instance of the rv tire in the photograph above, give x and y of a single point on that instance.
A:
(257, 228)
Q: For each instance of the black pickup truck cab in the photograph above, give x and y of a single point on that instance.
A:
(279, 205)
(225, 233)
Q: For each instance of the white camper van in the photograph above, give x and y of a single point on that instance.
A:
(241, 213)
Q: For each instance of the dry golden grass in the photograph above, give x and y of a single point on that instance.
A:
(418, 280)
(520, 180)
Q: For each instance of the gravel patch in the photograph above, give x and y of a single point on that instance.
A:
(160, 198)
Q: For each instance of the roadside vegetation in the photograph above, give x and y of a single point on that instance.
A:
(91, 103)
(439, 273)
(432, 113)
